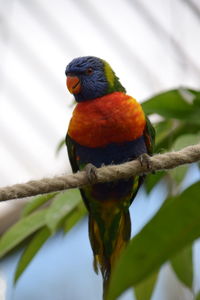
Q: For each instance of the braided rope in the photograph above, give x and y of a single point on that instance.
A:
(158, 162)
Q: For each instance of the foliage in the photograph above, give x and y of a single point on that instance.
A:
(156, 242)
(197, 296)
(36, 226)
(144, 289)
(168, 236)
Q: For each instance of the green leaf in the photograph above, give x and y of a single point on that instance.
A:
(185, 140)
(175, 225)
(178, 174)
(197, 296)
(163, 128)
(182, 265)
(60, 145)
(62, 205)
(152, 179)
(171, 104)
(170, 137)
(196, 95)
(31, 250)
(74, 217)
(197, 100)
(144, 290)
(21, 230)
(36, 203)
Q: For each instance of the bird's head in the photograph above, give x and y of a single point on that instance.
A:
(90, 77)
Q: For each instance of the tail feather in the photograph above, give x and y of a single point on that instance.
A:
(108, 238)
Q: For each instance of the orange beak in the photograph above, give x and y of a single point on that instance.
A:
(73, 84)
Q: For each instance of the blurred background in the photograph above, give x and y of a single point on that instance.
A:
(151, 45)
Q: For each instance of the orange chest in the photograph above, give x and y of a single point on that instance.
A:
(114, 118)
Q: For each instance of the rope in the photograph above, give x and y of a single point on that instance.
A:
(104, 174)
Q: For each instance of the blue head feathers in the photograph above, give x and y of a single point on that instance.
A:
(94, 78)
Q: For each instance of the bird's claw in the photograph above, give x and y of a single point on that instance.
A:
(91, 173)
(145, 161)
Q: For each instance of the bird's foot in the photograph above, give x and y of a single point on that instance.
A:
(91, 173)
(145, 161)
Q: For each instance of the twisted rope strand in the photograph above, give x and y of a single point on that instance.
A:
(158, 162)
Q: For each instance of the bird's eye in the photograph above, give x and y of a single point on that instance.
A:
(89, 71)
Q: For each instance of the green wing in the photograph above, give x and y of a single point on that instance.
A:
(73, 161)
(149, 135)
(71, 153)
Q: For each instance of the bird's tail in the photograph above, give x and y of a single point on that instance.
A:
(109, 234)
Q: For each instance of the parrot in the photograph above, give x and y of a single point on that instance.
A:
(107, 127)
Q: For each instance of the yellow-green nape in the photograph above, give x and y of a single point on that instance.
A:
(109, 73)
(114, 84)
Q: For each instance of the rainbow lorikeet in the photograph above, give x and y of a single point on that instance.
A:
(107, 127)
